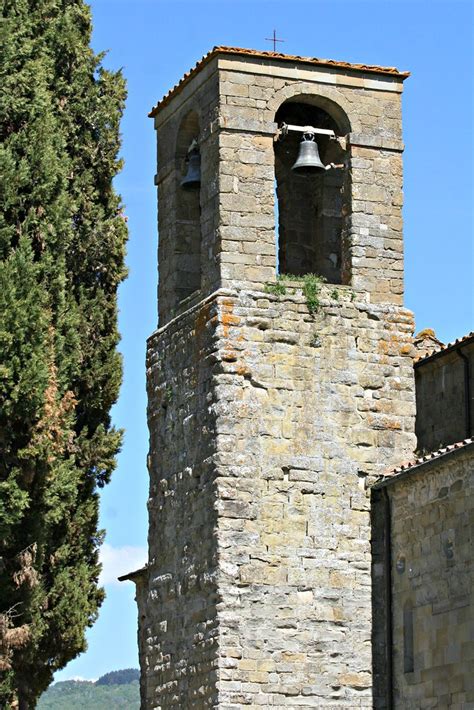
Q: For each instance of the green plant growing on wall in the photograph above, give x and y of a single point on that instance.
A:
(277, 288)
(311, 286)
(311, 289)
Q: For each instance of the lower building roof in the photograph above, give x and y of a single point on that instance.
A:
(432, 458)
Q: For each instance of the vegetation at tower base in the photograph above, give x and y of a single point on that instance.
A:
(62, 245)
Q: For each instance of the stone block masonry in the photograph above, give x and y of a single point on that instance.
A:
(237, 200)
(432, 510)
(268, 421)
(262, 443)
(445, 383)
(179, 610)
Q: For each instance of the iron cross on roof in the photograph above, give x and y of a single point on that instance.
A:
(274, 40)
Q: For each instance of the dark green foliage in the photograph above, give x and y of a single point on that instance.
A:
(62, 241)
(84, 695)
(311, 290)
(277, 288)
(127, 675)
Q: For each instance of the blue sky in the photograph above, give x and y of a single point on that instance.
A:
(156, 42)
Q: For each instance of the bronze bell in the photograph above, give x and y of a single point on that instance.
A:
(308, 161)
(192, 179)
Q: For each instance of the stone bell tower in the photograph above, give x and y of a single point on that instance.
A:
(274, 396)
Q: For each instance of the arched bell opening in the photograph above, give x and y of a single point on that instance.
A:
(311, 204)
(187, 248)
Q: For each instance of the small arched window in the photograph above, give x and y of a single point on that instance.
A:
(187, 246)
(310, 208)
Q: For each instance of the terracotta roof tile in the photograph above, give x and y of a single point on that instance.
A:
(444, 348)
(262, 54)
(426, 458)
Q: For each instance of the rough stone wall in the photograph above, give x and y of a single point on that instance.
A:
(261, 444)
(141, 593)
(179, 611)
(305, 414)
(266, 421)
(368, 111)
(432, 575)
(236, 101)
(175, 235)
(441, 388)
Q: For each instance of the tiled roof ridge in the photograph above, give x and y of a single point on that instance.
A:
(444, 348)
(393, 71)
(431, 456)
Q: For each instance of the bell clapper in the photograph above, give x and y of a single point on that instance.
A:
(335, 166)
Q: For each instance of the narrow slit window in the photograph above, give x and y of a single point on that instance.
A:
(277, 231)
(408, 641)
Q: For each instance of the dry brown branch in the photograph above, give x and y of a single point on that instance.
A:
(27, 573)
(12, 637)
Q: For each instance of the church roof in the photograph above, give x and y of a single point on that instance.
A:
(443, 349)
(262, 54)
(433, 456)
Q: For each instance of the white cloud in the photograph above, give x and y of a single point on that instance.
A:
(117, 561)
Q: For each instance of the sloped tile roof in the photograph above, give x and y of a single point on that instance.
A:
(407, 467)
(261, 54)
(443, 349)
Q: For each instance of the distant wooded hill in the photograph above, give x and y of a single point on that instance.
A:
(118, 689)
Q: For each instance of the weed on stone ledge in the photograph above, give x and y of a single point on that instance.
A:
(311, 288)
(277, 288)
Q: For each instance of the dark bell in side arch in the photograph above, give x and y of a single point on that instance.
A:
(192, 179)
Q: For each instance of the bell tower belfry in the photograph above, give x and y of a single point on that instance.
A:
(280, 381)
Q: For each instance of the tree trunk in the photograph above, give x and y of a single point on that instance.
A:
(23, 702)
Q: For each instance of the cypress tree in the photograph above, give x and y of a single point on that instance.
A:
(62, 242)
